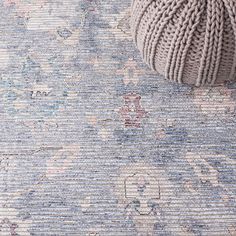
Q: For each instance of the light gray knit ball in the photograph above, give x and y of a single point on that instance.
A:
(188, 41)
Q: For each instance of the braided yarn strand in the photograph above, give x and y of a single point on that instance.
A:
(231, 7)
(185, 33)
(187, 41)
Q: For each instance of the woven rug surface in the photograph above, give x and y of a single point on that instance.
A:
(94, 143)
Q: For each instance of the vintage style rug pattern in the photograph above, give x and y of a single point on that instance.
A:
(93, 143)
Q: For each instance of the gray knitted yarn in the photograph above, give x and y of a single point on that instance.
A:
(188, 41)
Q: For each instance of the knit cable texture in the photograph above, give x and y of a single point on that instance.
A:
(188, 41)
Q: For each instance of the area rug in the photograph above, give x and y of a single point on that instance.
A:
(94, 143)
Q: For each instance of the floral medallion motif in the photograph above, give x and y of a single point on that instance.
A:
(132, 112)
(143, 190)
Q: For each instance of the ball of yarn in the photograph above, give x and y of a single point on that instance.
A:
(187, 41)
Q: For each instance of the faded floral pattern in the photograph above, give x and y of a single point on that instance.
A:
(11, 224)
(92, 143)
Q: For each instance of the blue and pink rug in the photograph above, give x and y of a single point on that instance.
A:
(93, 143)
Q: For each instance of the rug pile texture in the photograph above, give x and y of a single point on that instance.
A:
(94, 144)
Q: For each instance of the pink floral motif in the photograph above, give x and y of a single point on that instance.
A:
(7, 225)
(132, 112)
(11, 224)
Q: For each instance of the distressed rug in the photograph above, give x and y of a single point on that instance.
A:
(93, 143)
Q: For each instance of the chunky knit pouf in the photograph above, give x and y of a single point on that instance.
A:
(188, 41)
